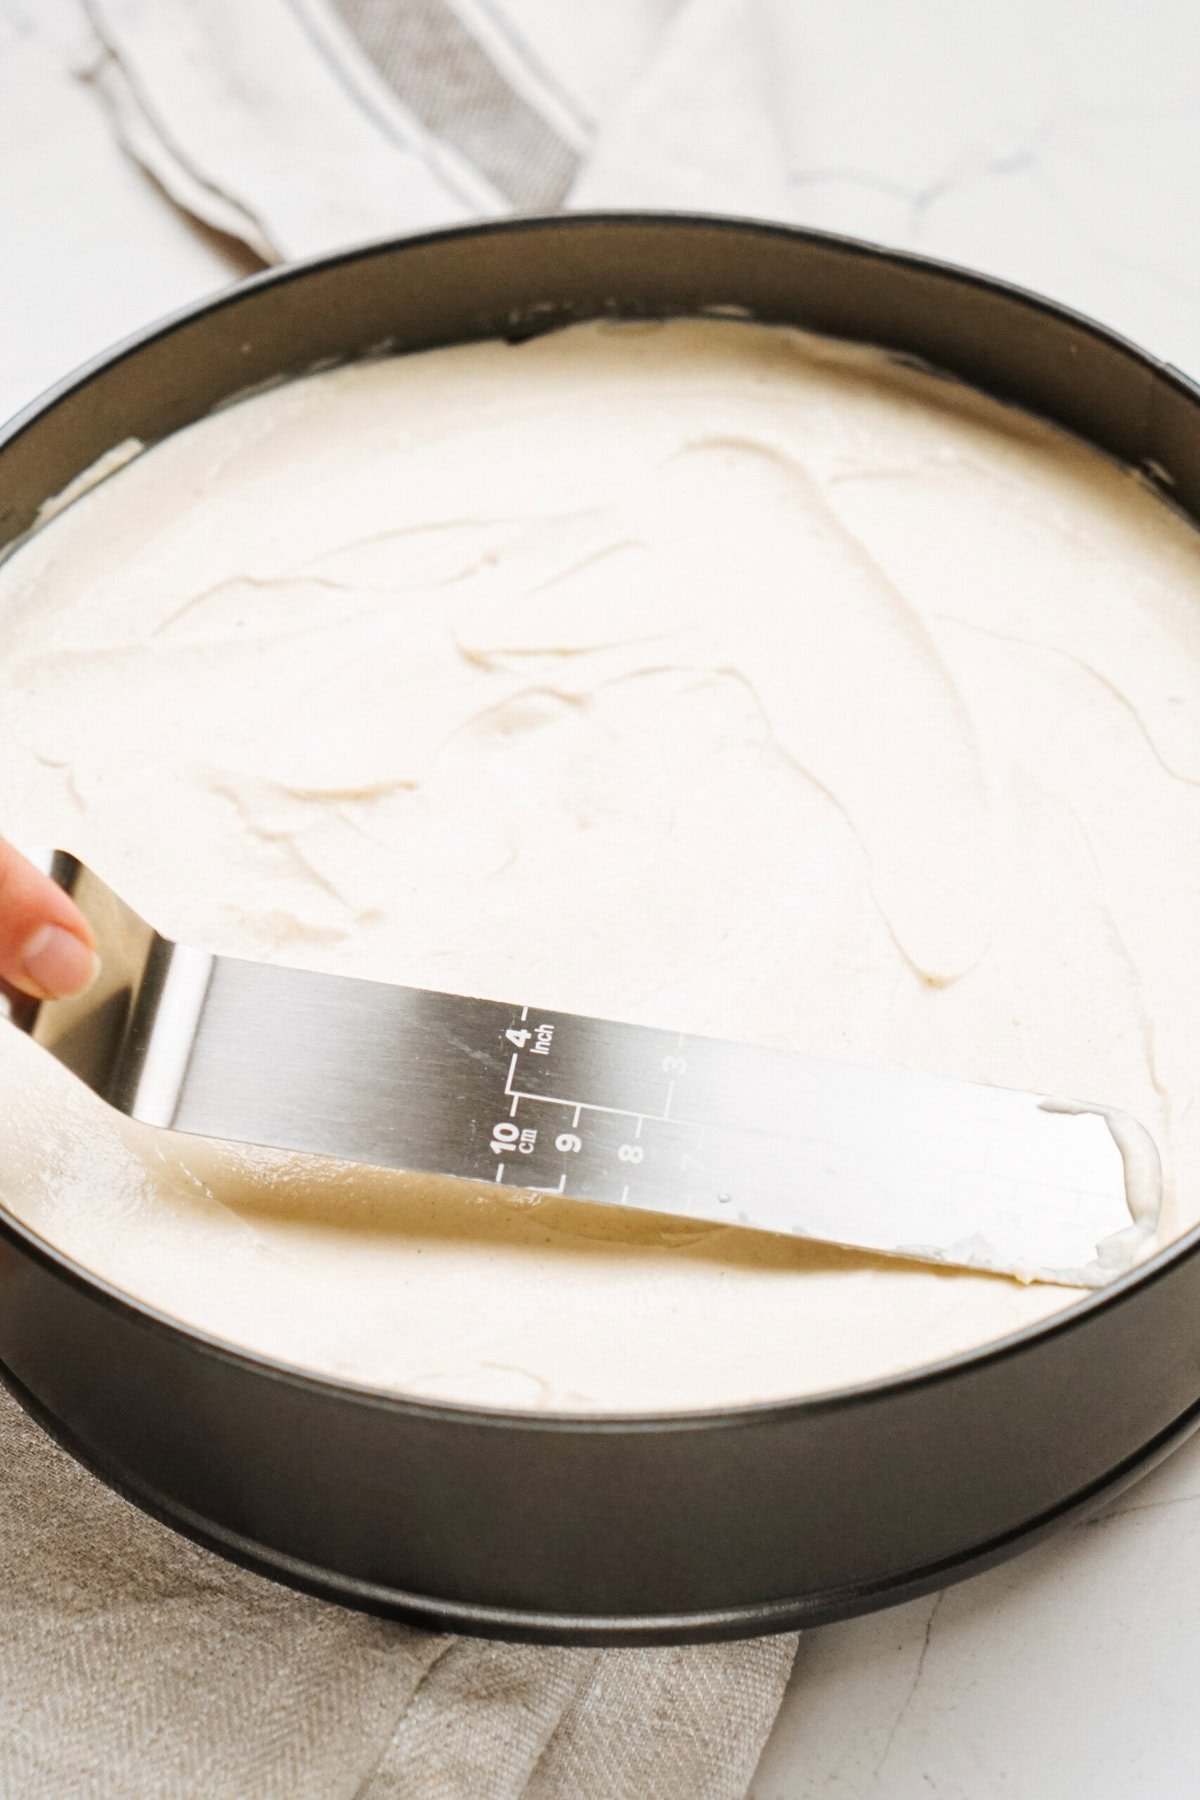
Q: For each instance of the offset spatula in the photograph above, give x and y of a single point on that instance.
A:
(727, 1133)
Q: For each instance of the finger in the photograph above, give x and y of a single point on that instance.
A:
(46, 945)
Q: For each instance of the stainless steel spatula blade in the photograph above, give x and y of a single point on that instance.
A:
(875, 1158)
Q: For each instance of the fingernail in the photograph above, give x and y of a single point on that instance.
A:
(58, 963)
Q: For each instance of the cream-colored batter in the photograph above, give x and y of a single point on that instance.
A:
(701, 674)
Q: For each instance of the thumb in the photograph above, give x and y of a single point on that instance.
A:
(47, 948)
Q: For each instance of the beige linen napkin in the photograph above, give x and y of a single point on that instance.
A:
(135, 1666)
(133, 1663)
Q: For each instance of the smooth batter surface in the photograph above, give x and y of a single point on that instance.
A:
(701, 674)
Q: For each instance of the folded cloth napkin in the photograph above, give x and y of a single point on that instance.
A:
(300, 125)
(133, 1663)
(135, 1666)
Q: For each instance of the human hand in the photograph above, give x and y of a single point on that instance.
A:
(46, 945)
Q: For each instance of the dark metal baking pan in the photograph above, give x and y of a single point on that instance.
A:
(584, 1528)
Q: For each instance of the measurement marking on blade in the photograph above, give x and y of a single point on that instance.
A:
(524, 1014)
(560, 1186)
(640, 1123)
(622, 1112)
(666, 1112)
(499, 1171)
(624, 1193)
(513, 1108)
(582, 1106)
(512, 1069)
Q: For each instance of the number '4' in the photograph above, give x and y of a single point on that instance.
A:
(518, 1037)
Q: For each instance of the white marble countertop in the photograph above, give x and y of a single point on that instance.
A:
(1054, 142)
